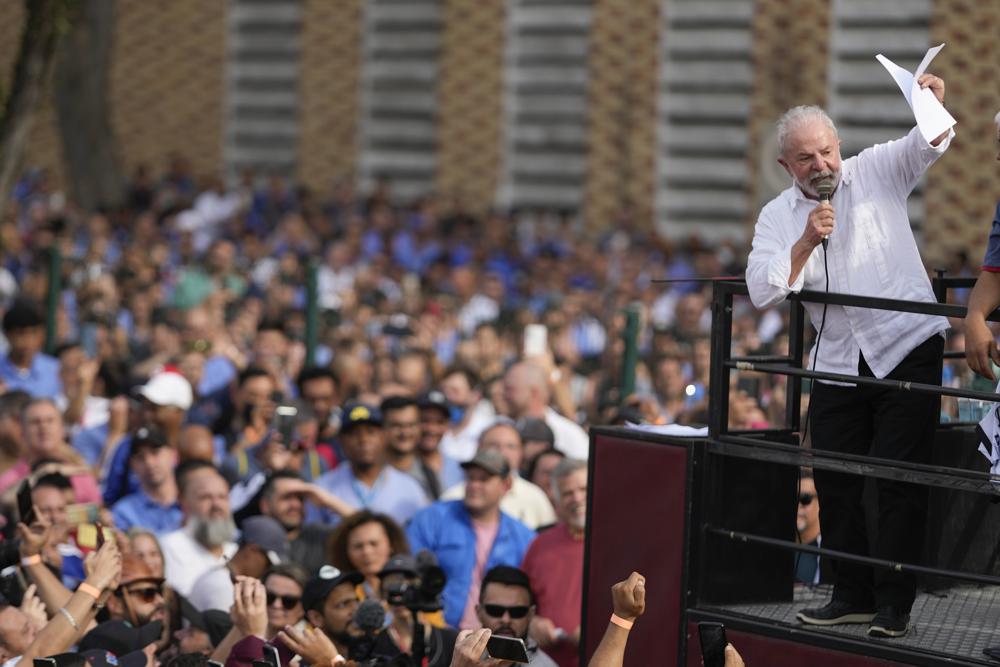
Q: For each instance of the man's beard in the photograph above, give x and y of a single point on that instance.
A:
(212, 533)
(809, 187)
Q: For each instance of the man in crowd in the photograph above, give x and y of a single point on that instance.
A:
(25, 366)
(445, 472)
(320, 389)
(524, 501)
(527, 394)
(401, 421)
(364, 481)
(472, 535)
(263, 543)
(330, 599)
(273, 453)
(507, 607)
(206, 538)
(807, 566)
(554, 563)
(164, 402)
(139, 596)
(154, 505)
(283, 498)
(469, 414)
(859, 241)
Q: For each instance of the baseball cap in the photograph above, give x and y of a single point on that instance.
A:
(120, 637)
(355, 414)
(536, 429)
(168, 388)
(99, 657)
(266, 533)
(213, 622)
(146, 436)
(400, 564)
(489, 460)
(323, 583)
(435, 399)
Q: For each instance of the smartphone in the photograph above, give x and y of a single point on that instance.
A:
(25, 508)
(271, 655)
(284, 423)
(713, 643)
(99, 538)
(215, 663)
(45, 662)
(536, 340)
(507, 648)
(78, 513)
(261, 663)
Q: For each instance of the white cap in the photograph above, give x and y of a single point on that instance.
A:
(168, 388)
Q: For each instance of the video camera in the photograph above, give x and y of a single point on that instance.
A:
(425, 594)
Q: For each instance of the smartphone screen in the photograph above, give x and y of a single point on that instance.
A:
(536, 340)
(25, 508)
(507, 648)
(271, 655)
(713, 643)
(284, 423)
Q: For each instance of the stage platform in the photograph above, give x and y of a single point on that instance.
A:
(956, 623)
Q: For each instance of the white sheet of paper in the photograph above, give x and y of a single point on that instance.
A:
(931, 117)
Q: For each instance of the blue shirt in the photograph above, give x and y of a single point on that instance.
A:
(89, 442)
(218, 373)
(394, 493)
(138, 509)
(992, 260)
(41, 379)
(445, 529)
(120, 480)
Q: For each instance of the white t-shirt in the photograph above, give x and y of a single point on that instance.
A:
(185, 559)
(213, 590)
(570, 438)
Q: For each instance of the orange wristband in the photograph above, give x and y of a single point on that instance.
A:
(621, 622)
(89, 590)
(28, 561)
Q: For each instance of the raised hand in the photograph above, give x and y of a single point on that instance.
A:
(629, 597)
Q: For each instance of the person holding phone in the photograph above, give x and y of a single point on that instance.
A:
(506, 607)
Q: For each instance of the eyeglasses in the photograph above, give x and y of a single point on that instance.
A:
(498, 610)
(287, 601)
(805, 499)
(146, 594)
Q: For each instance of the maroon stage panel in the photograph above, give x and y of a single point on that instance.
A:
(640, 505)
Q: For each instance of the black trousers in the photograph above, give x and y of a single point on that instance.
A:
(889, 424)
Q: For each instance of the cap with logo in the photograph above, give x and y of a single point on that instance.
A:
(400, 564)
(323, 583)
(435, 399)
(355, 414)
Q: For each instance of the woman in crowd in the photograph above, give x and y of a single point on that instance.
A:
(284, 584)
(363, 543)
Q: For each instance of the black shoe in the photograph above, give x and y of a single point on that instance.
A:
(889, 623)
(836, 612)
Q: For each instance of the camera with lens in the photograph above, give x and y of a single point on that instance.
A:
(421, 586)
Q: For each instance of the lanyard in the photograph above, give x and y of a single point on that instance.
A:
(365, 495)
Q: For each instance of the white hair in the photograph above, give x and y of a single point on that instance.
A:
(564, 469)
(797, 116)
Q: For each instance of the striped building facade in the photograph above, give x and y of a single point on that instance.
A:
(655, 111)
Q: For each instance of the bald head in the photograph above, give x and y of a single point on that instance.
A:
(195, 444)
(526, 390)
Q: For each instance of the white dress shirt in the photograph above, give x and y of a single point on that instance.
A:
(872, 252)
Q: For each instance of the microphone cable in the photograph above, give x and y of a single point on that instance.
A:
(805, 428)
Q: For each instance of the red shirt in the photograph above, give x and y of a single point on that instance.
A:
(554, 563)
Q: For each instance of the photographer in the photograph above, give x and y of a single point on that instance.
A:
(409, 592)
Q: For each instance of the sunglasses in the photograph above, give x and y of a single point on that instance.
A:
(497, 610)
(146, 594)
(805, 499)
(287, 601)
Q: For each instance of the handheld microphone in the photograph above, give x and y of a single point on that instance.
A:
(824, 189)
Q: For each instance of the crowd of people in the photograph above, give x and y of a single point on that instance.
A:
(194, 480)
